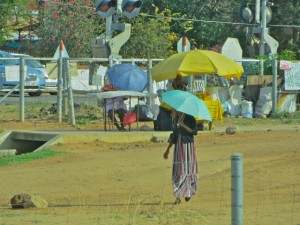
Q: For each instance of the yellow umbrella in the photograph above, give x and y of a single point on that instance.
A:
(196, 62)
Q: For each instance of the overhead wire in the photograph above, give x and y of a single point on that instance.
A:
(205, 21)
(216, 21)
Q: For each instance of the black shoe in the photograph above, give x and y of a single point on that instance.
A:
(187, 199)
(177, 201)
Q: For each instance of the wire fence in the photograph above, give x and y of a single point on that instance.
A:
(88, 75)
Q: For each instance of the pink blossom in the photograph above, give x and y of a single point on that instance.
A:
(216, 48)
(32, 5)
(53, 39)
(55, 15)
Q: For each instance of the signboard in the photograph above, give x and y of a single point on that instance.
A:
(199, 86)
(61, 50)
(232, 49)
(292, 77)
(199, 83)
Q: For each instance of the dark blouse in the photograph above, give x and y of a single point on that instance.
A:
(186, 136)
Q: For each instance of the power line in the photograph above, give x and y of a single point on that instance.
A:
(198, 20)
(215, 21)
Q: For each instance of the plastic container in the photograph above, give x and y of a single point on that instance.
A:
(247, 109)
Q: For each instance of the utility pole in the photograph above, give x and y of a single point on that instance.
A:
(264, 11)
(273, 44)
(108, 45)
(263, 26)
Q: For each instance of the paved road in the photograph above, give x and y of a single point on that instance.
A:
(14, 99)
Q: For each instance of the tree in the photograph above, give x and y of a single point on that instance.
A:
(151, 38)
(198, 20)
(286, 13)
(73, 22)
(14, 14)
(206, 23)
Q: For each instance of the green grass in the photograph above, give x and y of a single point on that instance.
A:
(28, 157)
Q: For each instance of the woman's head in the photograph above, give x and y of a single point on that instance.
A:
(178, 83)
(178, 78)
(174, 112)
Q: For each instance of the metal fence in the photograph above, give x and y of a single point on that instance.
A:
(69, 76)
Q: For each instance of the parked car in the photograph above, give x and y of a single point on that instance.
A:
(33, 63)
(51, 84)
(35, 79)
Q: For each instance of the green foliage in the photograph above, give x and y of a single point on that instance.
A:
(17, 16)
(283, 55)
(28, 157)
(82, 121)
(73, 22)
(150, 39)
(191, 19)
(286, 12)
(12, 14)
(207, 24)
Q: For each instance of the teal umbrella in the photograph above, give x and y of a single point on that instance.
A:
(187, 103)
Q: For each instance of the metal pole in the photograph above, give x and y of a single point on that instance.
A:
(108, 24)
(22, 83)
(273, 44)
(70, 92)
(236, 189)
(185, 49)
(150, 83)
(274, 86)
(64, 90)
(262, 43)
(261, 67)
(59, 91)
(111, 63)
(257, 11)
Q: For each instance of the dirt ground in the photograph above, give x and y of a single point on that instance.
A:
(129, 183)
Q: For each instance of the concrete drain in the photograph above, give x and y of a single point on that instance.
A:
(17, 142)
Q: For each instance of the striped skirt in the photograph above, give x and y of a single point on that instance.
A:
(185, 169)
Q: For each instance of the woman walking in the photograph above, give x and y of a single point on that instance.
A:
(185, 168)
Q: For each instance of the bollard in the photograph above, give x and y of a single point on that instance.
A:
(236, 189)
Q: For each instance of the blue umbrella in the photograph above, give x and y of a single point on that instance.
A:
(187, 103)
(127, 77)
